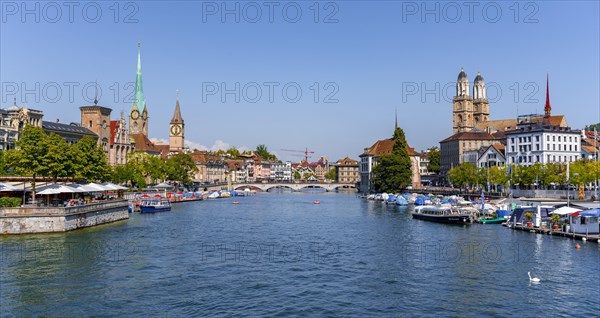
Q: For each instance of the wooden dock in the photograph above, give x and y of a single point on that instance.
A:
(549, 231)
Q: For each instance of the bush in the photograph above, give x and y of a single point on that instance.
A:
(7, 202)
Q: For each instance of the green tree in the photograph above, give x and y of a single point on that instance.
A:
(180, 167)
(394, 170)
(499, 176)
(58, 159)
(233, 152)
(121, 174)
(434, 160)
(297, 175)
(462, 175)
(330, 174)
(264, 153)
(91, 163)
(29, 157)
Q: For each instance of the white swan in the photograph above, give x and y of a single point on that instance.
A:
(533, 279)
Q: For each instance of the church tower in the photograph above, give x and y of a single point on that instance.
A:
(462, 105)
(138, 116)
(481, 113)
(176, 131)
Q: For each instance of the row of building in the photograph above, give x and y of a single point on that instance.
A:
(525, 140)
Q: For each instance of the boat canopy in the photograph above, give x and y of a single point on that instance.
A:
(592, 212)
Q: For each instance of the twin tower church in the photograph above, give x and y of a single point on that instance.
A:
(139, 121)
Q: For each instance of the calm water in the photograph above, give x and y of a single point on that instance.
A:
(281, 255)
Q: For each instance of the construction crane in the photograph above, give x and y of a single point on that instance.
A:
(306, 152)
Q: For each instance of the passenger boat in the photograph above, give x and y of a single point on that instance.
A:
(155, 205)
(442, 214)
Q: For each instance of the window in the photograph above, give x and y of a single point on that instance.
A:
(537, 147)
(90, 124)
(553, 138)
(537, 138)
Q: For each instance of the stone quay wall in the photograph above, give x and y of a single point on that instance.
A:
(60, 219)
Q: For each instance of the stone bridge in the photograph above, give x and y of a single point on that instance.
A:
(294, 186)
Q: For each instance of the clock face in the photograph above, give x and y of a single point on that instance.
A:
(176, 130)
(135, 114)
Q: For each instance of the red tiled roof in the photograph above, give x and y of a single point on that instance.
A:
(589, 149)
(142, 143)
(347, 162)
(385, 146)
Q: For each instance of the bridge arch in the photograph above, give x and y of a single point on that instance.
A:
(279, 186)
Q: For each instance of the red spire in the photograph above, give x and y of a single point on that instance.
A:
(547, 107)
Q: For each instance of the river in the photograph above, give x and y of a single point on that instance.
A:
(278, 254)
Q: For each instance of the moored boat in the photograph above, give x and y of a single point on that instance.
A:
(155, 205)
(491, 220)
(442, 214)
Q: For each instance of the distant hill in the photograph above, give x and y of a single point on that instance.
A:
(592, 126)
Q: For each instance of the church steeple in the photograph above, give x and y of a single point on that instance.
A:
(138, 116)
(177, 119)
(396, 123)
(547, 107)
(177, 130)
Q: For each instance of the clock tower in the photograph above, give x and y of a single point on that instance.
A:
(176, 131)
(138, 116)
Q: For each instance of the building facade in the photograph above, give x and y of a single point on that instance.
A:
(541, 143)
(281, 171)
(347, 171)
(370, 157)
(12, 121)
(453, 148)
(120, 144)
(491, 156)
(97, 119)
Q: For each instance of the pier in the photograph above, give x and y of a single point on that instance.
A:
(548, 231)
(24, 220)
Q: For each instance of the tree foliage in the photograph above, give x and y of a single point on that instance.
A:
(394, 170)
(330, 174)
(180, 167)
(263, 152)
(91, 163)
(434, 160)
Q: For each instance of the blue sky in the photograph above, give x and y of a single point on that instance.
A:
(367, 61)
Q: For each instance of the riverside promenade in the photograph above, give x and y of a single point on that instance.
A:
(24, 220)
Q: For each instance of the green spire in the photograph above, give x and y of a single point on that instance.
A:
(139, 101)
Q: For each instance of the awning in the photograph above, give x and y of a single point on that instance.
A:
(57, 188)
(113, 186)
(8, 188)
(593, 213)
(562, 211)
